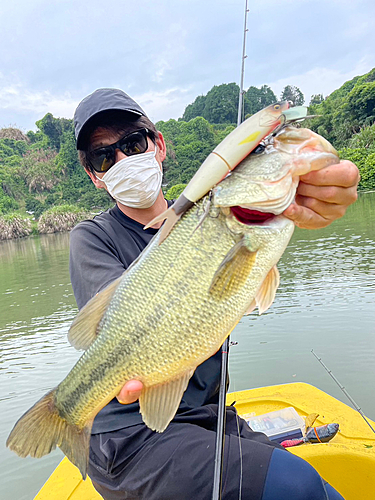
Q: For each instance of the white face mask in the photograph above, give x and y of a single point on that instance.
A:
(135, 181)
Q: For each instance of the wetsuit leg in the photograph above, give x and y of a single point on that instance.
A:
(291, 478)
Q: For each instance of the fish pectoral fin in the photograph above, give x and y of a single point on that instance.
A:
(266, 293)
(251, 307)
(233, 270)
(84, 329)
(159, 403)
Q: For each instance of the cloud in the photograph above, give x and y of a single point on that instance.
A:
(21, 106)
(163, 105)
(167, 53)
(321, 80)
(16, 96)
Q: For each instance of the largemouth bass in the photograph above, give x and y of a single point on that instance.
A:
(175, 305)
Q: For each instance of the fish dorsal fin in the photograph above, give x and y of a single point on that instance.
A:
(310, 420)
(170, 218)
(84, 329)
(159, 403)
(233, 270)
(267, 291)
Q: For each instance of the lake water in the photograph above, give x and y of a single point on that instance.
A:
(326, 302)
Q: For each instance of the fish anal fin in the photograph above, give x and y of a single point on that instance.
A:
(159, 403)
(83, 331)
(41, 429)
(233, 270)
(266, 293)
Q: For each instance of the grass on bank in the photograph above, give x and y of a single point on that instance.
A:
(56, 219)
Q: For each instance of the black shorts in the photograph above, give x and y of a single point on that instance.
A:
(137, 463)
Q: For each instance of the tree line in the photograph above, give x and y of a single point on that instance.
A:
(40, 170)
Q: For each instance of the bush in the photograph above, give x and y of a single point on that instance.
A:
(14, 226)
(365, 161)
(13, 133)
(174, 192)
(39, 170)
(61, 218)
(6, 202)
(33, 205)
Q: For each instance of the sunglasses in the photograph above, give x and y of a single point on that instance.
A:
(102, 159)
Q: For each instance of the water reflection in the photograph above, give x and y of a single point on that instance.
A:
(37, 307)
(325, 301)
(34, 278)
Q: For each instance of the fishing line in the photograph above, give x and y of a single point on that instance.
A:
(344, 391)
(220, 431)
(241, 457)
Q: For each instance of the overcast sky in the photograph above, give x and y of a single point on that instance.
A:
(165, 53)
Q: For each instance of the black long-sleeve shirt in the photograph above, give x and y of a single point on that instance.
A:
(100, 250)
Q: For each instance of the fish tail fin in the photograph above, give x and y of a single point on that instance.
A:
(41, 429)
(170, 218)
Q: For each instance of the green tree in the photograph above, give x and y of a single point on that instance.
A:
(293, 94)
(7, 203)
(364, 139)
(365, 161)
(219, 105)
(222, 103)
(316, 99)
(174, 192)
(53, 128)
(195, 109)
(360, 107)
(347, 110)
(257, 99)
(188, 145)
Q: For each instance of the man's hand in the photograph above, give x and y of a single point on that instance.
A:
(130, 392)
(324, 195)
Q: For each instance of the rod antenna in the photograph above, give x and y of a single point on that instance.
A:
(344, 391)
(240, 100)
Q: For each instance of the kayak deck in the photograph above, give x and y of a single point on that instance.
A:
(347, 462)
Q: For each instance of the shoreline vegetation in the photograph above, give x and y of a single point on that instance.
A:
(60, 218)
(44, 189)
(57, 219)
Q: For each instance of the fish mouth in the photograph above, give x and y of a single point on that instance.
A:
(251, 217)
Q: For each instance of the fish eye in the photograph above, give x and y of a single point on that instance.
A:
(276, 107)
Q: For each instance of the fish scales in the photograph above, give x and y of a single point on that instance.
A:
(178, 301)
(166, 329)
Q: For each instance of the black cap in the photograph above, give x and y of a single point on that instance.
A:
(98, 101)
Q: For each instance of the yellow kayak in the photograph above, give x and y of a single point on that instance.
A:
(347, 462)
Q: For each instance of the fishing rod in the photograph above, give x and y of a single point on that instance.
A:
(220, 431)
(240, 100)
(344, 391)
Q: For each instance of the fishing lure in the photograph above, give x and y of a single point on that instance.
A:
(225, 158)
(320, 434)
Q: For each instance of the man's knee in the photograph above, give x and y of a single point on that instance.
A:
(291, 478)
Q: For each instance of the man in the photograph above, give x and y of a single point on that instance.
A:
(122, 152)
